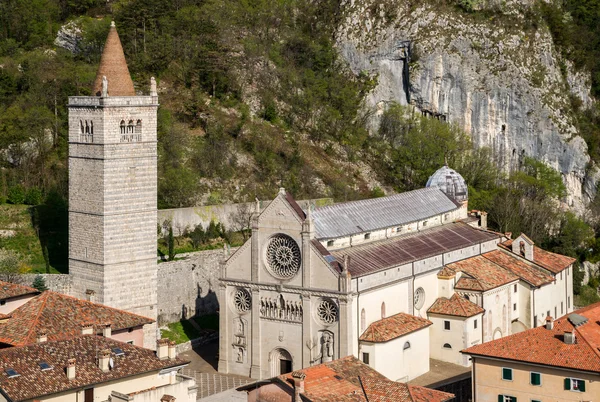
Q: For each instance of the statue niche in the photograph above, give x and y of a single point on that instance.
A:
(326, 347)
(240, 326)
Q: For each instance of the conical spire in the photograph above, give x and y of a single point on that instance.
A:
(114, 67)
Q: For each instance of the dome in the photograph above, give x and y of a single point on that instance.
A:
(450, 182)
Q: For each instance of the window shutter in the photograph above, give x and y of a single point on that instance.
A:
(500, 398)
(567, 383)
(514, 399)
(582, 385)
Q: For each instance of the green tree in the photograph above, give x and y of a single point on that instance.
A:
(171, 243)
(39, 283)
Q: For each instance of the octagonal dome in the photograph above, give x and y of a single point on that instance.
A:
(450, 182)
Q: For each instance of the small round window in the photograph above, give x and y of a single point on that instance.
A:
(242, 300)
(327, 311)
(419, 298)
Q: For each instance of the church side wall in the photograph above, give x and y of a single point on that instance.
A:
(395, 300)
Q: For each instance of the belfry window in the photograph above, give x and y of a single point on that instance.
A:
(122, 126)
(130, 127)
(138, 127)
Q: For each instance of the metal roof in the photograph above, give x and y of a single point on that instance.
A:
(379, 255)
(354, 217)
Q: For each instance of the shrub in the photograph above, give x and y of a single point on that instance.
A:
(16, 194)
(33, 196)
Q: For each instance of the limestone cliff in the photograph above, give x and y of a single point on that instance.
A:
(497, 74)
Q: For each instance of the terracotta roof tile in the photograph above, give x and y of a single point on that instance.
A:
(482, 274)
(338, 381)
(547, 347)
(393, 327)
(553, 262)
(525, 270)
(9, 290)
(32, 382)
(61, 317)
(455, 306)
(114, 66)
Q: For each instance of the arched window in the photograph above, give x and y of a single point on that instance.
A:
(130, 127)
(81, 126)
(138, 127)
(406, 346)
(447, 346)
(467, 297)
(363, 320)
(122, 126)
(383, 310)
(87, 127)
(91, 127)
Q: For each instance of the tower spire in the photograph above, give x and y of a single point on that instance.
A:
(113, 66)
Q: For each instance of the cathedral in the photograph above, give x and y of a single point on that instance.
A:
(390, 280)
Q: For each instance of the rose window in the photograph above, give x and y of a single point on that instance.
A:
(241, 300)
(419, 298)
(327, 311)
(283, 256)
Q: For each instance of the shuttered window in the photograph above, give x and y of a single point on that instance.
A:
(535, 378)
(507, 374)
(507, 398)
(574, 384)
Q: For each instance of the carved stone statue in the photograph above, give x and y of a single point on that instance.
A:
(153, 91)
(326, 347)
(104, 86)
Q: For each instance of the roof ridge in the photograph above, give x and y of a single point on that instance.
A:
(410, 394)
(37, 317)
(581, 335)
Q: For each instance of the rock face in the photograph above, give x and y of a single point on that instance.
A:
(502, 80)
(69, 37)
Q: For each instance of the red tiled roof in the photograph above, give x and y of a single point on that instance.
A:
(338, 381)
(9, 290)
(393, 327)
(61, 317)
(465, 283)
(114, 66)
(553, 262)
(456, 306)
(546, 347)
(522, 268)
(32, 382)
(379, 255)
(487, 274)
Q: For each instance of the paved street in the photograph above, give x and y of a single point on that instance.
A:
(212, 386)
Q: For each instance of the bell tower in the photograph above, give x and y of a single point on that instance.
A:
(112, 190)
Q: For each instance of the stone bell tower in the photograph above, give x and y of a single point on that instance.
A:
(112, 190)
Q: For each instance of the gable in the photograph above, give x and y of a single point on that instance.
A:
(282, 215)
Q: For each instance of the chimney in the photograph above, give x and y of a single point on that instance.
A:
(162, 349)
(549, 322)
(569, 337)
(172, 350)
(87, 329)
(42, 336)
(483, 219)
(90, 295)
(71, 369)
(106, 330)
(103, 360)
(298, 379)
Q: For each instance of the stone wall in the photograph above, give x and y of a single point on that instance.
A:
(191, 217)
(61, 283)
(188, 287)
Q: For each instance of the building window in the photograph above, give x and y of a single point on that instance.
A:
(561, 275)
(367, 236)
(447, 346)
(2, 302)
(507, 374)
(548, 313)
(475, 324)
(506, 398)
(398, 229)
(419, 298)
(406, 346)
(130, 342)
(363, 320)
(447, 325)
(569, 302)
(515, 288)
(562, 308)
(555, 312)
(514, 306)
(383, 310)
(424, 223)
(122, 126)
(329, 243)
(365, 358)
(574, 384)
(446, 217)
(535, 378)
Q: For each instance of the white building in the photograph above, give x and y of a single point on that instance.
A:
(379, 278)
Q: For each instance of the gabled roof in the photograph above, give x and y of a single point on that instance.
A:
(295, 206)
(455, 306)
(400, 250)
(61, 317)
(9, 290)
(547, 347)
(338, 381)
(345, 219)
(32, 382)
(553, 262)
(393, 327)
(525, 270)
(114, 67)
(487, 274)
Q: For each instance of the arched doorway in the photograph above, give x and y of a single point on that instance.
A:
(281, 362)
